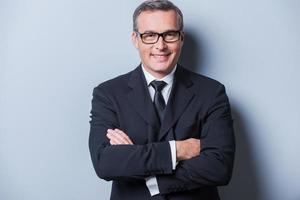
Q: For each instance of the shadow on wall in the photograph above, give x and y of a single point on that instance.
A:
(192, 54)
(245, 183)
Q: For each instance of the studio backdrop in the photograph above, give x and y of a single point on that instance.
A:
(54, 52)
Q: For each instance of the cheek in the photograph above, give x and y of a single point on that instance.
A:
(176, 48)
(144, 53)
(176, 52)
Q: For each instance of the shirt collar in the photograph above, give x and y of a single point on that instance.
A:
(167, 79)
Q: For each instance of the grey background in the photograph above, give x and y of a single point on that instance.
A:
(53, 52)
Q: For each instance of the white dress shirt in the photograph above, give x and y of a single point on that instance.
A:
(151, 181)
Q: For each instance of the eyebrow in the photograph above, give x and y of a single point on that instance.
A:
(149, 31)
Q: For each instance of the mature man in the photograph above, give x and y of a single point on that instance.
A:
(161, 131)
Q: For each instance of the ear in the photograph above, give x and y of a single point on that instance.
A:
(182, 36)
(182, 39)
(134, 39)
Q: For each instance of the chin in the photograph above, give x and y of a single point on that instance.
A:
(163, 69)
(162, 65)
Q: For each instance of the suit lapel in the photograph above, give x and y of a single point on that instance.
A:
(140, 99)
(179, 99)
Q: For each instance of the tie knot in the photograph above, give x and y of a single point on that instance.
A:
(158, 85)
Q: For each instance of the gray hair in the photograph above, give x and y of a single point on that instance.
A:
(152, 5)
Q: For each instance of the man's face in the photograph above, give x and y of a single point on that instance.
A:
(160, 58)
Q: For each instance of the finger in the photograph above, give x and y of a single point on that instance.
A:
(112, 142)
(113, 138)
(120, 139)
(121, 136)
(125, 136)
(109, 136)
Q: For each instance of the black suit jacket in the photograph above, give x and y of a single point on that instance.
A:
(198, 107)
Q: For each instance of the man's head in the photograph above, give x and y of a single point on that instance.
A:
(158, 35)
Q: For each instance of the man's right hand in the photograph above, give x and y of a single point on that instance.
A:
(187, 149)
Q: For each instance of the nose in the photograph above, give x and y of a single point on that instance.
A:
(160, 44)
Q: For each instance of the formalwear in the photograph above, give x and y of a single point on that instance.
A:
(198, 107)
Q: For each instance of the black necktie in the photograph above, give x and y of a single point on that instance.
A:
(159, 101)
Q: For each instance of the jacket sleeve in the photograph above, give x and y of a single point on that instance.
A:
(213, 167)
(122, 162)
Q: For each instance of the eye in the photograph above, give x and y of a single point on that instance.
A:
(149, 35)
(171, 34)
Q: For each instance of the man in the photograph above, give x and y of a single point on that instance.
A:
(161, 131)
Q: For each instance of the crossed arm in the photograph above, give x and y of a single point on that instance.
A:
(115, 157)
(185, 149)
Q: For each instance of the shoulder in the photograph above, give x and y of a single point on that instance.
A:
(200, 82)
(114, 85)
(205, 88)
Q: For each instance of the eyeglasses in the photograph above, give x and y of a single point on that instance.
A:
(152, 37)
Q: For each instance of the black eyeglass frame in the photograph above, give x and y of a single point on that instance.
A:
(163, 35)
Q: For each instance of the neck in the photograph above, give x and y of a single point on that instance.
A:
(158, 74)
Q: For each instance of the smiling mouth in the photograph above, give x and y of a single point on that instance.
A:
(161, 57)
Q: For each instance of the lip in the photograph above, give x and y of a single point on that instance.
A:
(160, 55)
(161, 58)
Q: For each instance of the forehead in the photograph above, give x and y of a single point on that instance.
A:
(157, 20)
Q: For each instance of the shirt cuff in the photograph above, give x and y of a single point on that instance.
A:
(173, 153)
(152, 185)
